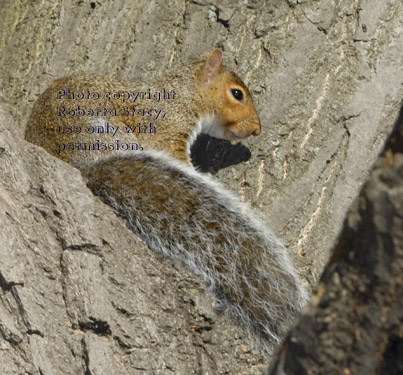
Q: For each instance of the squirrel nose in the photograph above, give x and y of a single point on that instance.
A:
(257, 131)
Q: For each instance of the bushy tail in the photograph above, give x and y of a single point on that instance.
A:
(190, 218)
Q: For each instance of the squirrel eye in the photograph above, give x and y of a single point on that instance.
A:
(237, 94)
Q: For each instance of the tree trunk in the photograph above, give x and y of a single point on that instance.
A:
(80, 293)
(354, 323)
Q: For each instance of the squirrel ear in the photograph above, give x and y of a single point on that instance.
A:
(204, 55)
(212, 66)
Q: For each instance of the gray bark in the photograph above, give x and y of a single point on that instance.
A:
(80, 293)
(354, 323)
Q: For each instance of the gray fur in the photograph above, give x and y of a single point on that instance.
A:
(243, 264)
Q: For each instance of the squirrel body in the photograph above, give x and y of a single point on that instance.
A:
(200, 100)
(177, 211)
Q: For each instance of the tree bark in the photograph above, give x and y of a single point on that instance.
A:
(326, 77)
(81, 294)
(354, 324)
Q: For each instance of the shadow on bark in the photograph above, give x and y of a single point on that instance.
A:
(354, 324)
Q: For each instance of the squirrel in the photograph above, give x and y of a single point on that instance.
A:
(202, 97)
(176, 210)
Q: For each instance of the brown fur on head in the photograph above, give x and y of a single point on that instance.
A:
(230, 98)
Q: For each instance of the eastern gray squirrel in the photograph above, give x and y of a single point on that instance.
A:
(177, 211)
(200, 96)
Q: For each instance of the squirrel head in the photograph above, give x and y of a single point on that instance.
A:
(233, 109)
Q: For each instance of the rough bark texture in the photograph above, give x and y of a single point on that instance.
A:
(355, 322)
(80, 294)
